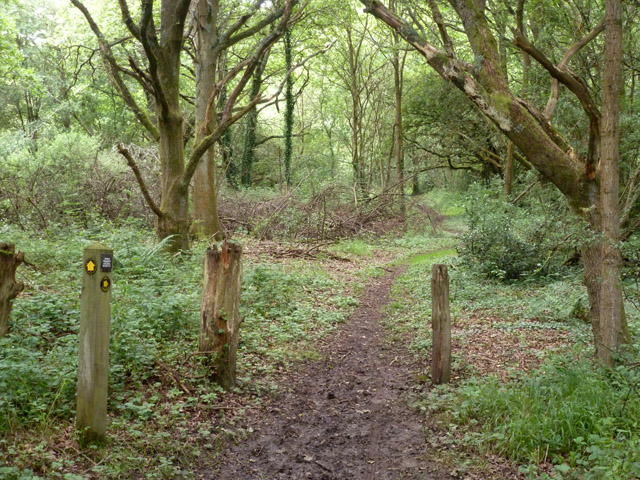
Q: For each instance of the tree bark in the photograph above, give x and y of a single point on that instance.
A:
(289, 107)
(205, 197)
(357, 160)
(219, 317)
(612, 325)
(508, 169)
(174, 221)
(9, 287)
(398, 81)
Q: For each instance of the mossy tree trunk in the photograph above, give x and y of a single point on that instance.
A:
(205, 195)
(251, 125)
(289, 107)
(613, 325)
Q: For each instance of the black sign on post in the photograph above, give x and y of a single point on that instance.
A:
(106, 262)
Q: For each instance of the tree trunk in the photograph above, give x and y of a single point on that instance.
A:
(248, 155)
(219, 318)
(612, 324)
(205, 197)
(174, 221)
(398, 80)
(9, 288)
(226, 147)
(416, 190)
(289, 107)
(357, 162)
(508, 170)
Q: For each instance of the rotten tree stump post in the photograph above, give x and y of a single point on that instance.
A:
(441, 325)
(9, 288)
(219, 315)
(93, 353)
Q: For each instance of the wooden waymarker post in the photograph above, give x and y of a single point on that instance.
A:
(93, 361)
(441, 325)
(219, 316)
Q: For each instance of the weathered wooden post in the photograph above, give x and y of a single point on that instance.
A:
(9, 287)
(441, 325)
(219, 315)
(93, 361)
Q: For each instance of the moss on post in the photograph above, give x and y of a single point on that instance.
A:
(219, 316)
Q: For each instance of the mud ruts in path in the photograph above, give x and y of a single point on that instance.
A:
(343, 417)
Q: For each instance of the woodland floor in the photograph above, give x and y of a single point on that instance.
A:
(343, 417)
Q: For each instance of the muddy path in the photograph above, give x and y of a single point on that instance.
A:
(343, 417)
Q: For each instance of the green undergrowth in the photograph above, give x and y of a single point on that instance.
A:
(164, 412)
(565, 420)
(581, 422)
(446, 202)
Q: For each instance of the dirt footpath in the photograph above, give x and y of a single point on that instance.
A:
(343, 417)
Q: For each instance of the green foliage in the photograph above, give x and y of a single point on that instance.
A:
(581, 419)
(280, 319)
(154, 328)
(353, 246)
(39, 356)
(67, 180)
(507, 241)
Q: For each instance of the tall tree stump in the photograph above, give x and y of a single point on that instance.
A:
(441, 325)
(219, 315)
(9, 288)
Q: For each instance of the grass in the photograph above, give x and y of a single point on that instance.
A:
(431, 257)
(582, 420)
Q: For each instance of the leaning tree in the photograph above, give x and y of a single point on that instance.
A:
(589, 181)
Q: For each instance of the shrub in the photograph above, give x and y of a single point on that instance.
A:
(507, 241)
(67, 180)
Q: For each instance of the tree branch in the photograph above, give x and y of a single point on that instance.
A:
(225, 38)
(228, 120)
(152, 50)
(128, 21)
(579, 88)
(437, 17)
(574, 83)
(143, 186)
(112, 67)
(575, 48)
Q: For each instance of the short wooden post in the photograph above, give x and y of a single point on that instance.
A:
(441, 325)
(219, 315)
(9, 287)
(93, 361)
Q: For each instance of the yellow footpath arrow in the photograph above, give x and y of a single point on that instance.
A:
(91, 266)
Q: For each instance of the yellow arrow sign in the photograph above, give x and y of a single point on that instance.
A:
(90, 266)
